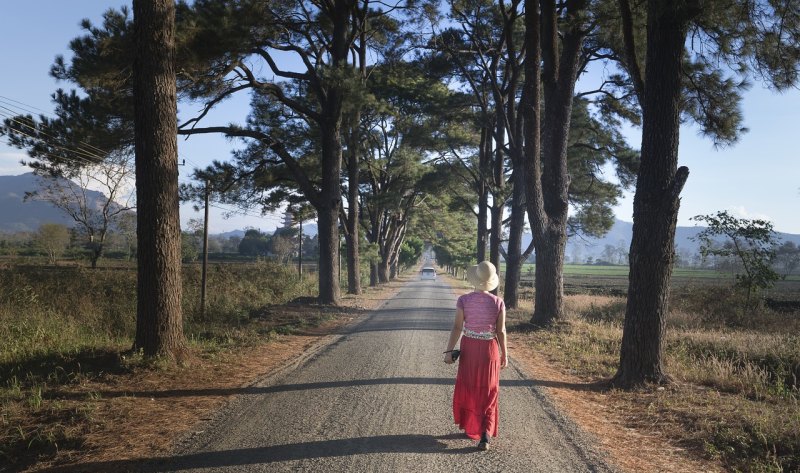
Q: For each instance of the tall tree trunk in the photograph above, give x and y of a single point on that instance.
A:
(373, 274)
(330, 194)
(549, 294)
(353, 251)
(328, 216)
(560, 57)
(514, 256)
(531, 112)
(383, 271)
(656, 202)
(353, 239)
(498, 197)
(159, 329)
(484, 153)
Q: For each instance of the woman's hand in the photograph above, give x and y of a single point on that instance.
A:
(448, 357)
(503, 360)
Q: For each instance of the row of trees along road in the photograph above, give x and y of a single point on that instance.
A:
(390, 125)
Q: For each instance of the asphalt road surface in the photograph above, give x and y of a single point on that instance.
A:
(378, 398)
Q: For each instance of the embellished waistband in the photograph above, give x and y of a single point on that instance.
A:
(479, 335)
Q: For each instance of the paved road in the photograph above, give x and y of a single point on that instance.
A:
(378, 398)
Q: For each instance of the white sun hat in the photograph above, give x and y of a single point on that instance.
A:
(483, 276)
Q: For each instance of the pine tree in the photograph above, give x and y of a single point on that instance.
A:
(159, 328)
(736, 37)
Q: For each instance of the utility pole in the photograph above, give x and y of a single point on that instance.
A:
(300, 252)
(205, 256)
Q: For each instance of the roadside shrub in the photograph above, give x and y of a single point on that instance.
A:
(716, 306)
(612, 312)
(49, 313)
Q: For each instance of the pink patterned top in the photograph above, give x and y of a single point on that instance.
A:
(481, 310)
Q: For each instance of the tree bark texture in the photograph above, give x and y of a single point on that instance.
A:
(483, 192)
(373, 274)
(549, 294)
(548, 204)
(328, 214)
(330, 196)
(159, 329)
(353, 240)
(531, 113)
(514, 255)
(656, 202)
(383, 271)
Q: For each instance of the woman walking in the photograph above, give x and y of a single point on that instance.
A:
(481, 318)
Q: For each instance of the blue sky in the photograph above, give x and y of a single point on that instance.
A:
(759, 177)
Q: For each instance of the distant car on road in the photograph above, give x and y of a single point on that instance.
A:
(428, 273)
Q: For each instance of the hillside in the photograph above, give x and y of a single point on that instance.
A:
(18, 215)
(579, 248)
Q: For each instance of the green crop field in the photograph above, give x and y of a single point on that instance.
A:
(613, 280)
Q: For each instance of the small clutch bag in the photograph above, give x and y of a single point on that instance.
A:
(455, 354)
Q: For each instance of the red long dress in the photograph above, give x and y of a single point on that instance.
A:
(475, 399)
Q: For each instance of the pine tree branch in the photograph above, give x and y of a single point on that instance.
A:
(274, 145)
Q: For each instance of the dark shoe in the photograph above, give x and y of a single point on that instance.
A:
(484, 443)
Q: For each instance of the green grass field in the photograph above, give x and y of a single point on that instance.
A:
(613, 280)
(622, 271)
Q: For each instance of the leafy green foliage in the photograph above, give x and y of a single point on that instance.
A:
(752, 242)
(787, 257)
(254, 243)
(411, 251)
(593, 144)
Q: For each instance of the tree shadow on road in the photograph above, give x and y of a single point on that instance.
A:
(596, 386)
(257, 390)
(407, 443)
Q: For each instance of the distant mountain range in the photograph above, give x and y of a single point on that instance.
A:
(309, 229)
(581, 248)
(19, 215)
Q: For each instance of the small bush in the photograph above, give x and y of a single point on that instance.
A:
(611, 312)
(50, 314)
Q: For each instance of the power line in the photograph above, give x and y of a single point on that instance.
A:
(56, 157)
(4, 98)
(82, 154)
(273, 218)
(69, 156)
(91, 152)
(92, 149)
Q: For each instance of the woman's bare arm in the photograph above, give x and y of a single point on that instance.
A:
(501, 338)
(455, 334)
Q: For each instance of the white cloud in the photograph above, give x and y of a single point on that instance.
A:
(739, 211)
(9, 163)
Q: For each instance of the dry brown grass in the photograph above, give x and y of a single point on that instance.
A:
(732, 405)
(139, 413)
(724, 411)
